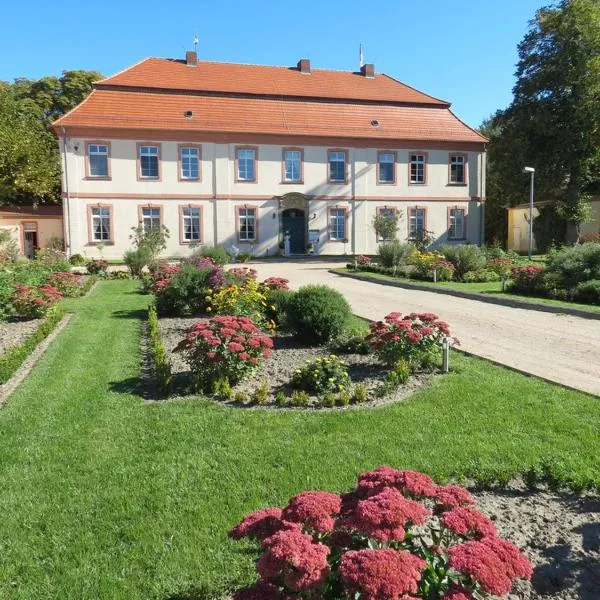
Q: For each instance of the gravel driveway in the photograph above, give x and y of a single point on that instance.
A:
(559, 348)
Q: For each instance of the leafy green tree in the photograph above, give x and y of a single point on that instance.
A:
(553, 123)
(385, 224)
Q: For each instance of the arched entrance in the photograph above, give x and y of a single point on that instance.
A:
(293, 223)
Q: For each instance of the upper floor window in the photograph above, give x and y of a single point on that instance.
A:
(386, 171)
(246, 164)
(337, 166)
(292, 164)
(191, 224)
(247, 224)
(458, 168)
(151, 218)
(417, 168)
(149, 157)
(98, 160)
(101, 226)
(456, 224)
(189, 160)
(337, 224)
(416, 222)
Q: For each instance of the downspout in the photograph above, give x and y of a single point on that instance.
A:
(67, 205)
(483, 164)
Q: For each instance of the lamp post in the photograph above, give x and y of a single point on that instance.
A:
(530, 170)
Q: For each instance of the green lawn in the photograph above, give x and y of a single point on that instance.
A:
(104, 496)
(485, 288)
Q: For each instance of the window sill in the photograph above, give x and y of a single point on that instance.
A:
(456, 185)
(386, 183)
(337, 181)
(91, 178)
(424, 183)
(190, 180)
(191, 242)
(247, 241)
(105, 243)
(462, 239)
(299, 182)
(148, 178)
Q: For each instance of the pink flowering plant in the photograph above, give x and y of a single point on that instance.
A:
(397, 536)
(34, 302)
(415, 338)
(223, 347)
(276, 283)
(527, 279)
(68, 284)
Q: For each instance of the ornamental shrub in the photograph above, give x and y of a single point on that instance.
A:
(394, 254)
(464, 257)
(161, 365)
(77, 260)
(137, 259)
(68, 284)
(240, 274)
(527, 280)
(362, 260)
(223, 347)
(427, 262)
(185, 292)
(243, 299)
(397, 535)
(587, 292)
(278, 302)
(34, 302)
(480, 276)
(415, 338)
(276, 283)
(573, 265)
(218, 255)
(322, 375)
(52, 259)
(318, 314)
(97, 267)
(501, 266)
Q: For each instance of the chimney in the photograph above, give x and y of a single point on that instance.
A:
(304, 66)
(368, 70)
(191, 58)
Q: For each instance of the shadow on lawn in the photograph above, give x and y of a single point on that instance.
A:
(138, 314)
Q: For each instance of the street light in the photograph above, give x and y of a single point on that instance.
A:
(532, 171)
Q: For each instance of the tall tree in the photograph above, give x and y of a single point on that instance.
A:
(554, 119)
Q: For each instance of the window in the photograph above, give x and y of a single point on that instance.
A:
(247, 224)
(149, 157)
(417, 168)
(457, 168)
(150, 218)
(337, 165)
(337, 224)
(189, 158)
(100, 223)
(292, 164)
(456, 224)
(416, 222)
(246, 164)
(386, 164)
(191, 224)
(390, 213)
(98, 160)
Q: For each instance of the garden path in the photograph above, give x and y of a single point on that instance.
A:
(560, 348)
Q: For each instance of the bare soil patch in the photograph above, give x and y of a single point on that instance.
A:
(14, 332)
(288, 355)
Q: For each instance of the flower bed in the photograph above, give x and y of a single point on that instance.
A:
(397, 535)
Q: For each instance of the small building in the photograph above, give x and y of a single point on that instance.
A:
(33, 227)
(518, 224)
(247, 155)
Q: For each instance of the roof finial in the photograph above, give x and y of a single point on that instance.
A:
(195, 41)
(361, 61)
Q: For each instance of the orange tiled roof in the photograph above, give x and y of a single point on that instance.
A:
(240, 99)
(163, 73)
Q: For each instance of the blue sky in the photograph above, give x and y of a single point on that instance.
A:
(464, 52)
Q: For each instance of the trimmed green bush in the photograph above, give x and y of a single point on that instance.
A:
(160, 359)
(587, 292)
(137, 259)
(278, 302)
(186, 294)
(77, 260)
(318, 314)
(465, 258)
(394, 253)
(218, 255)
(571, 266)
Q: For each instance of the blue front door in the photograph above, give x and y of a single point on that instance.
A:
(293, 224)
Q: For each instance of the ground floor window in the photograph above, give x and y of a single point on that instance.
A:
(456, 224)
(247, 224)
(191, 224)
(101, 225)
(416, 222)
(337, 224)
(151, 218)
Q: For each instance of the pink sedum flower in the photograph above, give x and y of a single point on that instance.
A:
(315, 510)
(468, 522)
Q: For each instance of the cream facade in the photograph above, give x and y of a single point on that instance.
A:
(32, 228)
(219, 194)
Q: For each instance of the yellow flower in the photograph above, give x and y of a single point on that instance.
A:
(208, 309)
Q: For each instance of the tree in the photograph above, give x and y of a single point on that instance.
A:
(553, 123)
(29, 161)
(385, 224)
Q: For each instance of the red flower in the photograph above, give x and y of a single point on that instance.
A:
(468, 521)
(492, 562)
(411, 483)
(385, 515)
(456, 593)
(292, 558)
(315, 510)
(259, 524)
(380, 574)
(448, 496)
(234, 347)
